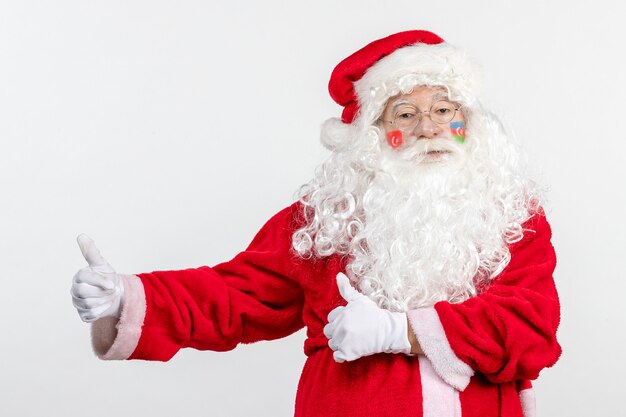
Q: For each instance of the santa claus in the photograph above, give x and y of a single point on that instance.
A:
(418, 258)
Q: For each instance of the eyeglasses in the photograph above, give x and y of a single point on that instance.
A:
(408, 117)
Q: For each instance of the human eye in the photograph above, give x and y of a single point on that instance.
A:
(406, 113)
(443, 108)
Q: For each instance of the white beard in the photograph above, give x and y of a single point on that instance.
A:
(425, 237)
(418, 232)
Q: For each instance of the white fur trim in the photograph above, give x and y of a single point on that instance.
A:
(433, 341)
(336, 135)
(527, 398)
(418, 64)
(117, 339)
(438, 398)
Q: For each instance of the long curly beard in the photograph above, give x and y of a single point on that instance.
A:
(417, 231)
(426, 235)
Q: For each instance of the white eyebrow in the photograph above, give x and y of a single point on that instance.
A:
(439, 96)
(402, 102)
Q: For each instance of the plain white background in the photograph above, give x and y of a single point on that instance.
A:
(170, 131)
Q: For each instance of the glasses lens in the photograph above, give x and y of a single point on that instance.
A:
(442, 112)
(406, 118)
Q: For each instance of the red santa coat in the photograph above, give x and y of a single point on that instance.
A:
(479, 354)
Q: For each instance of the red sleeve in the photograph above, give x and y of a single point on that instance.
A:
(508, 332)
(255, 296)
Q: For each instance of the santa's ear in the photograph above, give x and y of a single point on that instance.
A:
(337, 135)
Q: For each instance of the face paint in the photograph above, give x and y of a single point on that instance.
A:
(394, 138)
(458, 131)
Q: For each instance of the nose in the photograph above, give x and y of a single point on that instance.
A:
(427, 129)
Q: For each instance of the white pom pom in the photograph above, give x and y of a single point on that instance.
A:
(337, 135)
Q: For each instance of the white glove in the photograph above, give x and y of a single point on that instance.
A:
(362, 328)
(97, 290)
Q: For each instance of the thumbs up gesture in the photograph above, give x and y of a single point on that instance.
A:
(361, 328)
(97, 290)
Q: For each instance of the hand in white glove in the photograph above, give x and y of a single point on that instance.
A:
(97, 290)
(362, 328)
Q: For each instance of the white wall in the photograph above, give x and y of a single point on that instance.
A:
(121, 119)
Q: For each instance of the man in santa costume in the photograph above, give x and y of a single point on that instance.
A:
(418, 258)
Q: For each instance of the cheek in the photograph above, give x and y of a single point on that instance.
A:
(457, 129)
(394, 138)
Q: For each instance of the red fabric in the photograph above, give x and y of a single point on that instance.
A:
(524, 384)
(353, 67)
(266, 292)
(253, 297)
(508, 333)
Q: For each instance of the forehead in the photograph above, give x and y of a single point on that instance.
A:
(421, 95)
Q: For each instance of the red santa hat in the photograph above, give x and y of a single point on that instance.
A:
(363, 82)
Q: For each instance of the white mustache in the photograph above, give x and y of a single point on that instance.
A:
(418, 150)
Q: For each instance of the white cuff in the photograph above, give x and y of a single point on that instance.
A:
(527, 398)
(117, 339)
(433, 341)
(399, 334)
